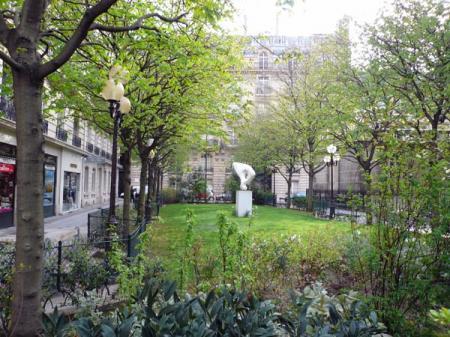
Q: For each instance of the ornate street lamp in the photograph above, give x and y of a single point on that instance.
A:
(331, 160)
(118, 105)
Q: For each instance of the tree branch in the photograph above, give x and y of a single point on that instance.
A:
(3, 30)
(138, 24)
(77, 37)
(10, 61)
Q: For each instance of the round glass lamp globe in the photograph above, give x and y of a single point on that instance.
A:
(125, 105)
(331, 149)
(327, 159)
(112, 91)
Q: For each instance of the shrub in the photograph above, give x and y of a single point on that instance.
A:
(263, 197)
(158, 311)
(169, 196)
(262, 265)
(300, 202)
(315, 313)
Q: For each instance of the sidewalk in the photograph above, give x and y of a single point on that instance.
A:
(60, 227)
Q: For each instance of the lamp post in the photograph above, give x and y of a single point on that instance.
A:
(331, 160)
(118, 105)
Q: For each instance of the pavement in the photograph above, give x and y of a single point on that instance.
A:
(61, 227)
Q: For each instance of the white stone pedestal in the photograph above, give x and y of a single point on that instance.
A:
(243, 203)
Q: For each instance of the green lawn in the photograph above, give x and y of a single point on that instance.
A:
(168, 234)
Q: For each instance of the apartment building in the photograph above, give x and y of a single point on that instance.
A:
(77, 169)
(263, 79)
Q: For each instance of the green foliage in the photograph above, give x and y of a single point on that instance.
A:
(199, 186)
(169, 196)
(265, 266)
(158, 311)
(442, 318)
(6, 277)
(227, 229)
(402, 259)
(300, 202)
(187, 253)
(262, 197)
(315, 313)
(131, 274)
(232, 185)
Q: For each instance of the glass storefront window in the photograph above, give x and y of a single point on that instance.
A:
(6, 187)
(70, 192)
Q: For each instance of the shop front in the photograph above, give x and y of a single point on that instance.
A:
(71, 192)
(49, 186)
(8, 184)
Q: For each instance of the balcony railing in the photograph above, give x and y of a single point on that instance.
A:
(76, 141)
(45, 127)
(60, 130)
(61, 134)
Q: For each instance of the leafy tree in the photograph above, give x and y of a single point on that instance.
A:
(37, 38)
(411, 45)
(365, 113)
(267, 147)
(307, 85)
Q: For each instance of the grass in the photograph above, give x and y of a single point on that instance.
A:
(169, 232)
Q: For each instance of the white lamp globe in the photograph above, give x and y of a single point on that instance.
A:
(125, 105)
(119, 91)
(327, 159)
(108, 90)
(331, 149)
(337, 157)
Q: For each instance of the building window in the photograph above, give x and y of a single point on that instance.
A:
(93, 180)
(104, 182)
(263, 61)
(99, 181)
(262, 86)
(261, 109)
(86, 179)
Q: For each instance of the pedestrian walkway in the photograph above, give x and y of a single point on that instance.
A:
(60, 227)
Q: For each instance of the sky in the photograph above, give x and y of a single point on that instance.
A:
(307, 17)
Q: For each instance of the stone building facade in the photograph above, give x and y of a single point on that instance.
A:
(77, 169)
(263, 80)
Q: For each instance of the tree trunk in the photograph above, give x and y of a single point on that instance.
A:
(26, 302)
(142, 185)
(148, 200)
(288, 199)
(158, 189)
(368, 208)
(126, 162)
(310, 206)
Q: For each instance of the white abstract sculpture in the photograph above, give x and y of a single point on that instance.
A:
(245, 173)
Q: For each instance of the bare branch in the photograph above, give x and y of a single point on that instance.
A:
(138, 24)
(10, 61)
(78, 36)
(3, 30)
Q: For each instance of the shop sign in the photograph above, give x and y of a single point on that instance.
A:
(6, 168)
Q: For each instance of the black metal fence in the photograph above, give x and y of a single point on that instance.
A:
(83, 266)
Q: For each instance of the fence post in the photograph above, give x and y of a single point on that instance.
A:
(58, 275)
(129, 246)
(89, 226)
